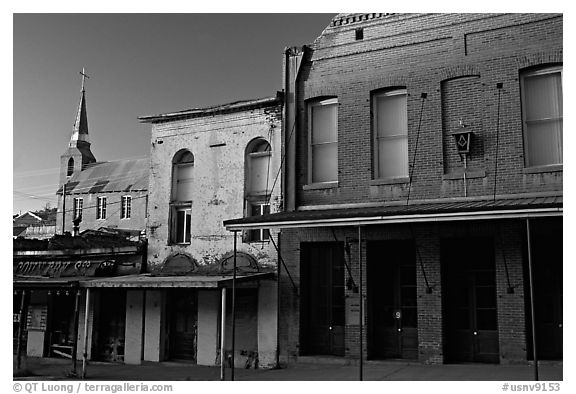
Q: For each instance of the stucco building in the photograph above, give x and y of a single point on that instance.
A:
(208, 164)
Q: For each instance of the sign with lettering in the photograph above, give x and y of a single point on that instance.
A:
(37, 317)
(353, 310)
(54, 269)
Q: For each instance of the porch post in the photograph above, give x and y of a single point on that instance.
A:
(75, 341)
(530, 277)
(234, 305)
(223, 336)
(85, 354)
(20, 330)
(361, 366)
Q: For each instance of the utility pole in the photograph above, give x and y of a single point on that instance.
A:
(63, 207)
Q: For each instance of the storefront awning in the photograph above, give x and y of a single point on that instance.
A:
(185, 281)
(31, 282)
(413, 213)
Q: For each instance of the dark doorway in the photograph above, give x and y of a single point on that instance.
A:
(61, 316)
(469, 299)
(393, 314)
(183, 324)
(322, 300)
(547, 265)
(111, 327)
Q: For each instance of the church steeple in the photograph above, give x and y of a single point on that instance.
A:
(78, 155)
(80, 131)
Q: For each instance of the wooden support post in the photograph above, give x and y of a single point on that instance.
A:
(75, 338)
(85, 354)
(223, 337)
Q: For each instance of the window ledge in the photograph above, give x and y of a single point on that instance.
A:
(322, 185)
(541, 169)
(460, 174)
(389, 181)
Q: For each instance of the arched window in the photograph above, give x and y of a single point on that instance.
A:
(259, 181)
(182, 176)
(70, 170)
(182, 188)
(258, 171)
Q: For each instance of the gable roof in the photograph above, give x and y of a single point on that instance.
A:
(27, 213)
(110, 176)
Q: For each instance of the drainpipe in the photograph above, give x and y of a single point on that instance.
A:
(85, 354)
(531, 279)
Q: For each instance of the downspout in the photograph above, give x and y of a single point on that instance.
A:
(292, 60)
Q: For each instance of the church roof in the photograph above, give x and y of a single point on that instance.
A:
(109, 177)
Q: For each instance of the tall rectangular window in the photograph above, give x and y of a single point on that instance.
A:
(181, 231)
(78, 204)
(542, 116)
(101, 208)
(323, 141)
(390, 134)
(126, 209)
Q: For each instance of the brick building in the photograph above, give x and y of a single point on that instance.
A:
(209, 164)
(422, 179)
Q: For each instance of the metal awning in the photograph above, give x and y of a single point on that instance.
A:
(31, 282)
(413, 213)
(185, 281)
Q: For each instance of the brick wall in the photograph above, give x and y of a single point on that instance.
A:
(457, 59)
(509, 259)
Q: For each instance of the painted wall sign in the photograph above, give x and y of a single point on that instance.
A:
(54, 269)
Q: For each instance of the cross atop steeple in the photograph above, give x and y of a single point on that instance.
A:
(84, 75)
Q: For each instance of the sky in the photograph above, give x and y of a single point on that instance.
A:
(138, 64)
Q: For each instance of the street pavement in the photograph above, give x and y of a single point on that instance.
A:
(59, 369)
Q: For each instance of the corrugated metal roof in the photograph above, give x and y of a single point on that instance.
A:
(111, 176)
(391, 211)
(190, 281)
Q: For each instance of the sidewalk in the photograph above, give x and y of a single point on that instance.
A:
(57, 369)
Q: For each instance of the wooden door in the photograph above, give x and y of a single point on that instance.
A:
(183, 325)
(393, 315)
(470, 310)
(322, 305)
(547, 267)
